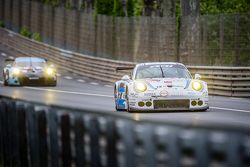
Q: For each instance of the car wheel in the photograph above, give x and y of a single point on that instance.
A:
(128, 108)
(21, 81)
(116, 108)
(5, 81)
(54, 84)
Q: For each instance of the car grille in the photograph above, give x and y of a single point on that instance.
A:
(171, 104)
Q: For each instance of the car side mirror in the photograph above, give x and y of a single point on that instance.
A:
(197, 76)
(8, 65)
(125, 77)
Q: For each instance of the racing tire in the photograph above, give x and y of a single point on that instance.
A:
(54, 84)
(5, 83)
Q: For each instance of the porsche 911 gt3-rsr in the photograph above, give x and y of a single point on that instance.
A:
(161, 86)
(29, 71)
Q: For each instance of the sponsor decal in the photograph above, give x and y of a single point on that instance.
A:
(168, 82)
(153, 80)
(121, 90)
(191, 93)
(163, 93)
(121, 103)
(121, 87)
(149, 94)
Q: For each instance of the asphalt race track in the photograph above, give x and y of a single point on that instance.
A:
(79, 92)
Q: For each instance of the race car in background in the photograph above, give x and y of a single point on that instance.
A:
(29, 71)
(164, 86)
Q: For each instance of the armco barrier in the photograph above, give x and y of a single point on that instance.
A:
(33, 134)
(227, 81)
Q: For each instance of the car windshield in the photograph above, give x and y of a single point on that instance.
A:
(27, 62)
(162, 71)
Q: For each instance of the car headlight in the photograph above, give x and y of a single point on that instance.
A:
(16, 71)
(197, 85)
(49, 71)
(140, 86)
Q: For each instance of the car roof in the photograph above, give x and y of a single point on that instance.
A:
(160, 63)
(30, 59)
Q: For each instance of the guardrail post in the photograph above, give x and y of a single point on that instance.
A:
(218, 145)
(14, 134)
(245, 151)
(126, 135)
(233, 150)
(1, 132)
(8, 139)
(33, 141)
(23, 145)
(4, 134)
(148, 145)
(94, 143)
(192, 146)
(65, 138)
(173, 149)
(42, 136)
(53, 137)
(79, 131)
(111, 143)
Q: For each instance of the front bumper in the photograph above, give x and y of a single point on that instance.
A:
(191, 103)
(27, 80)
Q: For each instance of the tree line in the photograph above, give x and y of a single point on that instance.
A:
(150, 7)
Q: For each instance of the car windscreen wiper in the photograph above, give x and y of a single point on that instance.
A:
(162, 72)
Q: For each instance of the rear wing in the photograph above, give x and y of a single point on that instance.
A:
(123, 68)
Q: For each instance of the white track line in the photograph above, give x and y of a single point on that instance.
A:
(81, 80)
(230, 109)
(68, 77)
(63, 91)
(94, 83)
(58, 75)
(109, 86)
(68, 92)
(4, 54)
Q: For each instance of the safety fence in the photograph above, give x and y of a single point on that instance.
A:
(227, 81)
(222, 40)
(33, 134)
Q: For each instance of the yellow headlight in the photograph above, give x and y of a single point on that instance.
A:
(197, 85)
(16, 71)
(140, 86)
(49, 71)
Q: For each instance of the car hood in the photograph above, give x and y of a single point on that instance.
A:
(31, 68)
(167, 82)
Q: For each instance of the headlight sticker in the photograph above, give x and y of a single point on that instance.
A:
(196, 85)
(140, 86)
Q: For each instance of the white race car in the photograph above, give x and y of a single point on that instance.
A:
(164, 86)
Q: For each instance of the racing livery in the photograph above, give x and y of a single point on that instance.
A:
(29, 71)
(164, 86)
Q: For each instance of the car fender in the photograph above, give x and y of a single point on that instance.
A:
(121, 94)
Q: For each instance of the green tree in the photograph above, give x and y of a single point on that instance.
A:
(104, 7)
(224, 6)
(117, 9)
(135, 7)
